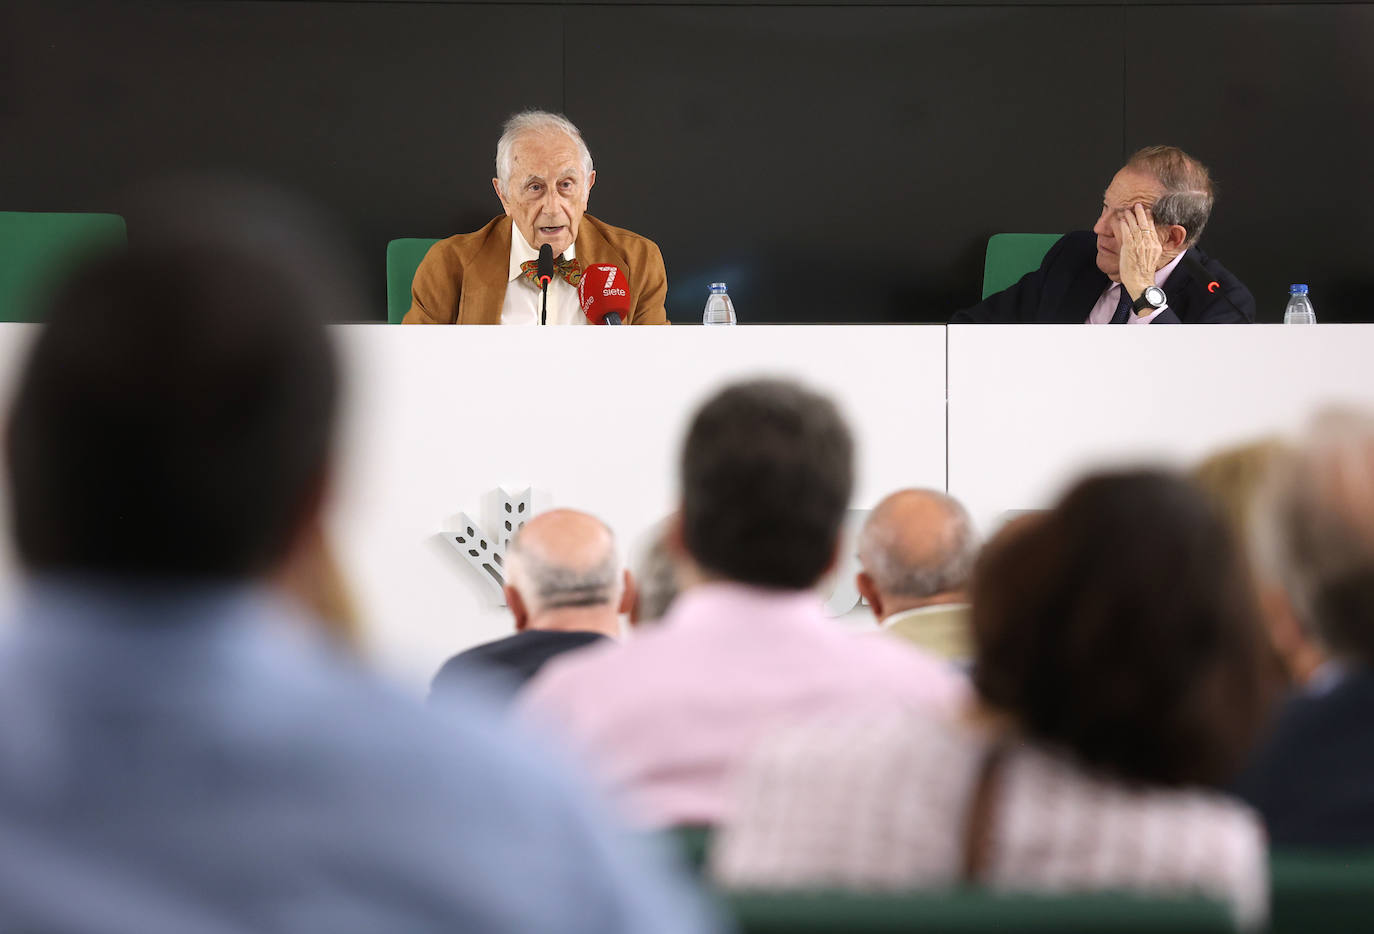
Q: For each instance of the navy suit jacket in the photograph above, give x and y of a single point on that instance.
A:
(1313, 779)
(1068, 283)
(519, 656)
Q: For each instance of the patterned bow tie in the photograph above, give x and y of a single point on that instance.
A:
(567, 269)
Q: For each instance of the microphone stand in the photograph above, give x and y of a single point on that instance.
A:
(544, 311)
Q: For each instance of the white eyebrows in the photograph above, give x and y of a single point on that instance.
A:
(571, 173)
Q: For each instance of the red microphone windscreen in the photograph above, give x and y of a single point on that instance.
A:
(604, 289)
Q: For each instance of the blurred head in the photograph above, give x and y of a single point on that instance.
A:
(563, 572)
(1316, 534)
(1173, 185)
(544, 176)
(1235, 479)
(174, 417)
(766, 477)
(1121, 627)
(916, 548)
(657, 578)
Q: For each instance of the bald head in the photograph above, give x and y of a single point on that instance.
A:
(564, 559)
(916, 547)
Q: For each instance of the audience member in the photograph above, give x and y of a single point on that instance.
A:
(565, 589)
(766, 475)
(658, 577)
(180, 749)
(917, 550)
(1118, 672)
(1313, 779)
(1235, 479)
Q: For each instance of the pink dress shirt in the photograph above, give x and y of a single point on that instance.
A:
(664, 718)
(1106, 305)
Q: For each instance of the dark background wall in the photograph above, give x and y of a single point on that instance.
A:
(831, 161)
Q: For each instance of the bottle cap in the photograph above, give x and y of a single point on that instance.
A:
(1297, 289)
(720, 286)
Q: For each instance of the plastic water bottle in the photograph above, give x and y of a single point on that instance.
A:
(1299, 310)
(719, 308)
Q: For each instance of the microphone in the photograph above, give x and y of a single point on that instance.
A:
(1204, 278)
(545, 272)
(604, 294)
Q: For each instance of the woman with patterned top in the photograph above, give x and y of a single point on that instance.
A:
(1119, 671)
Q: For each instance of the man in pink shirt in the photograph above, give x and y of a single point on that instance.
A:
(664, 718)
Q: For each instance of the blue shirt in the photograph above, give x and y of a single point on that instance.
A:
(196, 760)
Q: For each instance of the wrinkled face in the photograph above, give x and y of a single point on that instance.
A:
(1127, 189)
(547, 191)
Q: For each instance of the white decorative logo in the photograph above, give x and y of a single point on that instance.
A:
(485, 552)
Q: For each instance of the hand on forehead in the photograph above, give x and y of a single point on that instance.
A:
(1130, 188)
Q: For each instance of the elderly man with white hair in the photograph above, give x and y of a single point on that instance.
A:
(1313, 779)
(916, 551)
(544, 176)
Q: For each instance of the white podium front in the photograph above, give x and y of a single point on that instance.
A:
(591, 418)
(438, 420)
(1031, 407)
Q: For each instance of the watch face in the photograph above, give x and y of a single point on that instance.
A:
(1154, 295)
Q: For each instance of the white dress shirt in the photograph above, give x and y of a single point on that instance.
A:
(522, 302)
(1106, 305)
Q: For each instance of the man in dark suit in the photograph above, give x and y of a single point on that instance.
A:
(565, 588)
(1313, 779)
(1138, 265)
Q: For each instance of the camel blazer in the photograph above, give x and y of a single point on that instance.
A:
(462, 280)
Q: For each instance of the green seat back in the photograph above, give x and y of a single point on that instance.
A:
(1322, 892)
(37, 249)
(1011, 255)
(402, 259)
(970, 911)
(692, 841)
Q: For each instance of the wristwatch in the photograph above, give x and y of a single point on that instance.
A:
(1152, 298)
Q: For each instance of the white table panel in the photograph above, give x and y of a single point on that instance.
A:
(1032, 407)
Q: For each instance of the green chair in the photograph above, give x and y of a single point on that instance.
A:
(970, 911)
(693, 841)
(36, 249)
(402, 259)
(1321, 892)
(1010, 256)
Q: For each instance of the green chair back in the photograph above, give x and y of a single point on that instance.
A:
(970, 911)
(1011, 255)
(402, 259)
(692, 840)
(1321, 892)
(37, 249)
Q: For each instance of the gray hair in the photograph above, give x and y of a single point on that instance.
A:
(1188, 190)
(535, 121)
(1313, 533)
(892, 569)
(656, 577)
(548, 585)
